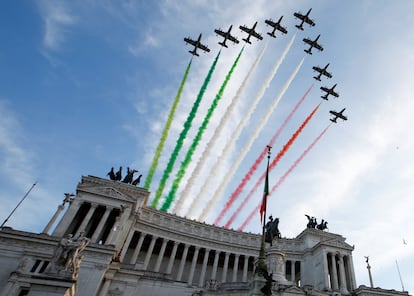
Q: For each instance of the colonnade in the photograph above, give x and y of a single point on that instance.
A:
(183, 262)
(293, 270)
(341, 273)
(95, 220)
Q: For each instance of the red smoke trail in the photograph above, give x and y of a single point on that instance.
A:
(253, 169)
(272, 165)
(285, 175)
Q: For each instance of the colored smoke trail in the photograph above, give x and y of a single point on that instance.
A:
(247, 147)
(285, 175)
(167, 127)
(272, 165)
(231, 143)
(183, 134)
(298, 160)
(256, 164)
(216, 136)
(184, 164)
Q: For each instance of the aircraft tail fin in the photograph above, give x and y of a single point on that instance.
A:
(223, 44)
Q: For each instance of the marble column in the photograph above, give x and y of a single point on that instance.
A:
(172, 258)
(161, 255)
(334, 273)
(245, 268)
(342, 279)
(98, 231)
(215, 265)
(67, 219)
(193, 265)
(149, 252)
(182, 263)
(53, 220)
(225, 267)
(86, 220)
(134, 257)
(126, 245)
(235, 267)
(203, 268)
(292, 271)
(351, 272)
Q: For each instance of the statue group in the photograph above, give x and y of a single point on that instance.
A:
(272, 230)
(312, 223)
(129, 178)
(68, 255)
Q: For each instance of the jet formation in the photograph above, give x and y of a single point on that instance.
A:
(277, 27)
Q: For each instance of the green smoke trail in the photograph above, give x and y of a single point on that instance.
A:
(166, 130)
(183, 134)
(184, 164)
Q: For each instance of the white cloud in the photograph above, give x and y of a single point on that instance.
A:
(57, 18)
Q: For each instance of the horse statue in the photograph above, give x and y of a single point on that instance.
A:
(323, 225)
(130, 176)
(272, 230)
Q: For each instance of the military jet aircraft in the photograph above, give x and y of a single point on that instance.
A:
(321, 71)
(338, 115)
(313, 44)
(275, 26)
(304, 19)
(329, 91)
(251, 32)
(226, 36)
(197, 44)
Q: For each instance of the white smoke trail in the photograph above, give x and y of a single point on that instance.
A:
(229, 146)
(209, 147)
(247, 147)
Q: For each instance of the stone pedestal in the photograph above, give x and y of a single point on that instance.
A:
(276, 265)
(257, 283)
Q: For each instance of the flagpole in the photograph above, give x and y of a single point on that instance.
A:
(266, 192)
(24, 197)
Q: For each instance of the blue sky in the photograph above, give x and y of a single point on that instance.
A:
(87, 85)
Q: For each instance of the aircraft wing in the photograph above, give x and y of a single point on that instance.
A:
(309, 22)
(318, 46)
(203, 47)
(257, 35)
(245, 29)
(190, 41)
(220, 32)
(233, 39)
(282, 29)
(299, 16)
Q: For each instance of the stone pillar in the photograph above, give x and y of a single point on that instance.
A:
(126, 245)
(342, 279)
(334, 273)
(351, 272)
(245, 268)
(161, 255)
(172, 258)
(134, 257)
(225, 267)
(86, 220)
(182, 263)
(276, 265)
(235, 267)
(203, 268)
(292, 271)
(149, 252)
(53, 220)
(215, 265)
(119, 225)
(98, 231)
(67, 218)
(193, 265)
